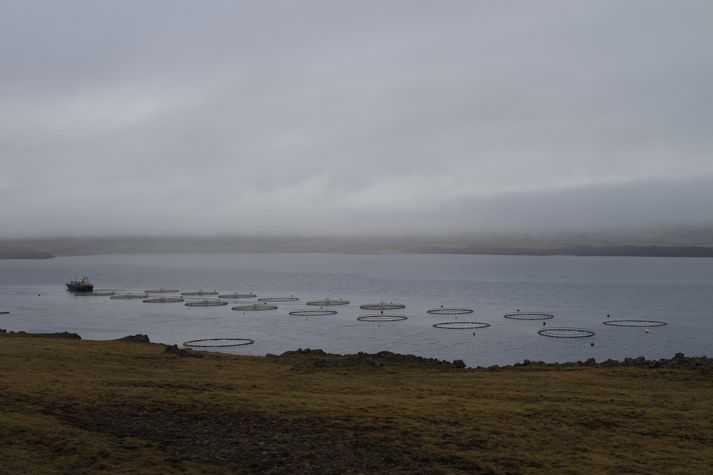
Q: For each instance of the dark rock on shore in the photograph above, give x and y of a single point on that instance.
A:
(306, 351)
(376, 360)
(67, 335)
(679, 361)
(183, 352)
(138, 338)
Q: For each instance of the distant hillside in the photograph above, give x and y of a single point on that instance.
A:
(47, 248)
(24, 254)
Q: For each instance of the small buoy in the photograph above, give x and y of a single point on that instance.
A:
(608, 315)
(518, 309)
(473, 333)
(647, 331)
(591, 344)
(544, 323)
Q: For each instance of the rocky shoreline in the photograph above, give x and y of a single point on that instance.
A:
(312, 359)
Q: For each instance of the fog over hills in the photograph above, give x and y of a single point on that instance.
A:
(355, 126)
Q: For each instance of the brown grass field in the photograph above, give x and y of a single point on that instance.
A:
(70, 406)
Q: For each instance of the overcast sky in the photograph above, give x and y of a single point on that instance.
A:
(343, 117)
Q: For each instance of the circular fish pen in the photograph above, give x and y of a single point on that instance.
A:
(198, 293)
(218, 342)
(381, 318)
(529, 316)
(255, 307)
(566, 332)
(449, 311)
(278, 299)
(98, 293)
(129, 296)
(162, 291)
(206, 303)
(312, 313)
(237, 296)
(635, 323)
(163, 300)
(328, 302)
(461, 325)
(382, 306)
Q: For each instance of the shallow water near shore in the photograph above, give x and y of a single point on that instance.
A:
(579, 291)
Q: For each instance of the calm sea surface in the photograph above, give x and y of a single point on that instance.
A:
(579, 291)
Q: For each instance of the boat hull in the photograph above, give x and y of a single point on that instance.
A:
(80, 287)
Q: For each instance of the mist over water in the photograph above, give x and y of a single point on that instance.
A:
(580, 292)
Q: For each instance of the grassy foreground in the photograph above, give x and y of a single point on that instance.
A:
(69, 406)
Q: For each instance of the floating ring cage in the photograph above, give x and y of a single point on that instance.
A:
(449, 311)
(199, 293)
(382, 306)
(99, 293)
(278, 299)
(255, 307)
(529, 316)
(312, 313)
(461, 325)
(218, 342)
(163, 300)
(635, 323)
(566, 332)
(237, 296)
(328, 302)
(162, 291)
(382, 318)
(206, 303)
(129, 296)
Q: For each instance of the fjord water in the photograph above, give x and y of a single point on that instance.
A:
(579, 291)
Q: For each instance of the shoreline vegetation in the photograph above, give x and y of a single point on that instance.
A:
(48, 248)
(79, 406)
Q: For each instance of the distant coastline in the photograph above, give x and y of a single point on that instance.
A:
(24, 254)
(49, 248)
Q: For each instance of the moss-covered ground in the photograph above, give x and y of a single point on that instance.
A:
(70, 406)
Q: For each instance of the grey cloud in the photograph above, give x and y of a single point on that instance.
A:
(362, 117)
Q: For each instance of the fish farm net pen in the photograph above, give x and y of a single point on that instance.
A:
(256, 307)
(218, 342)
(200, 292)
(206, 303)
(328, 302)
(98, 293)
(162, 291)
(163, 300)
(129, 296)
(312, 313)
(529, 316)
(237, 296)
(381, 318)
(449, 311)
(566, 332)
(278, 299)
(382, 306)
(461, 325)
(635, 323)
